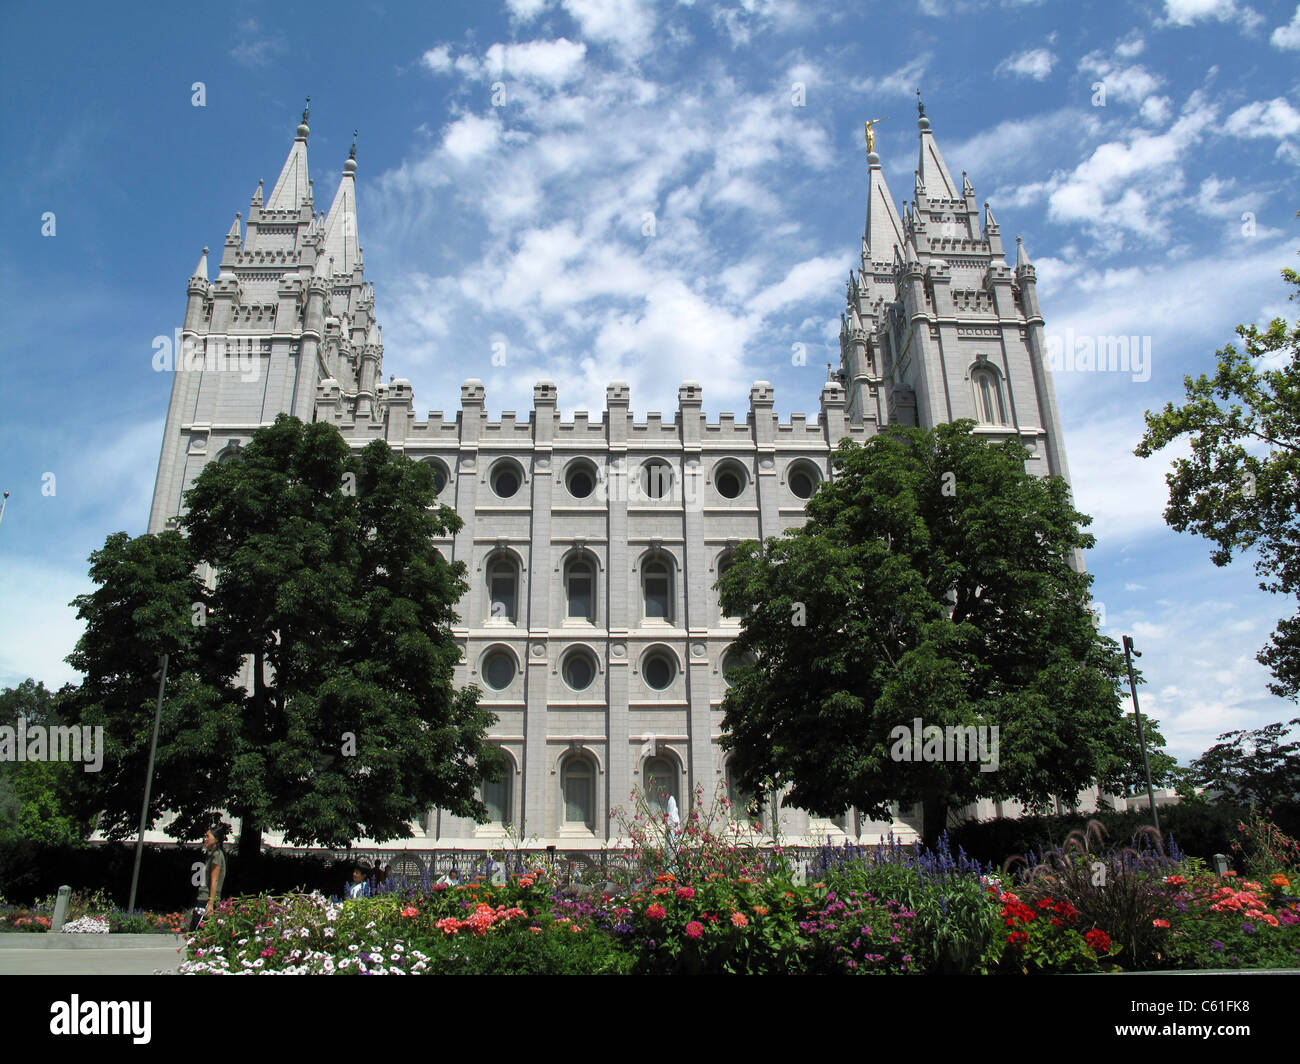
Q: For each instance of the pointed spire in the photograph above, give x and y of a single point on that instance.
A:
(990, 224)
(257, 196)
(967, 189)
(293, 185)
(909, 254)
(341, 225)
(931, 172)
(883, 230)
(1022, 256)
(234, 235)
(201, 270)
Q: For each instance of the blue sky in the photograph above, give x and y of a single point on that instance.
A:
(509, 157)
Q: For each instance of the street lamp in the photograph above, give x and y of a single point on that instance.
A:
(1129, 654)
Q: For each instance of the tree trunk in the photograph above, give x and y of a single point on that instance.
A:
(934, 814)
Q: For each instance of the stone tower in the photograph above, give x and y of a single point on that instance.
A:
(937, 327)
(290, 308)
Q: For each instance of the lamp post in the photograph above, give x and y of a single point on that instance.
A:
(1129, 654)
(148, 783)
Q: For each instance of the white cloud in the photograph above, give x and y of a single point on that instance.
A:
(470, 137)
(551, 63)
(1126, 84)
(1036, 63)
(525, 10)
(628, 26)
(35, 639)
(900, 82)
(437, 59)
(1287, 37)
(1130, 46)
(1190, 12)
(1264, 118)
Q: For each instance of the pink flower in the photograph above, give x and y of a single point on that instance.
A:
(410, 910)
(656, 912)
(685, 893)
(694, 929)
(739, 920)
(1159, 923)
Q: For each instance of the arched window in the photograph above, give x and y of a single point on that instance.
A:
(580, 589)
(503, 589)
(578, 793)
(657, 589)
(496, 796)
(989, 406)
(660, 778)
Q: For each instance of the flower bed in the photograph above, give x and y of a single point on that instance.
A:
(885, 910)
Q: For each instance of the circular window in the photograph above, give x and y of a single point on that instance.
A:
(729, 480)
(579, 670)
(659, 670)
(656, 479)
(440, 476)
(506, 480)
(581, 479)
(499, 670)
(803, 481)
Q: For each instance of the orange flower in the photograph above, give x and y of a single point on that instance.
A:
(761, 910)
(665, 877)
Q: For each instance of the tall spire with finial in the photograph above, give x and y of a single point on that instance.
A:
(341, 243)
(932, 174)
(293, 184)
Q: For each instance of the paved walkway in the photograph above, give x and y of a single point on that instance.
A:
(89, 954)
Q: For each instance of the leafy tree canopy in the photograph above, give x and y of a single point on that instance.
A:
(37, 797)
(1256, 767)
(1240, 488)
(933, 580)
(308, 619)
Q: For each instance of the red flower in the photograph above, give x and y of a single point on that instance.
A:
(1098, 940)
(1159, 923)
(685, 893)
(656, 912)
(1017, 938)
(694, 929)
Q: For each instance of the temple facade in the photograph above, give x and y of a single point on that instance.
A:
(592, 546)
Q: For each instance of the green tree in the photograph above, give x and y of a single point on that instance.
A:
(933, 580)
(1256, 767)
(310, 684)
(1240, 488)
(37, 798)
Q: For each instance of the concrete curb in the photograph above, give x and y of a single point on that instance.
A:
(50, 940)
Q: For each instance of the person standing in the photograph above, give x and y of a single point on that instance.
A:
(214, 875)
(359, 887)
